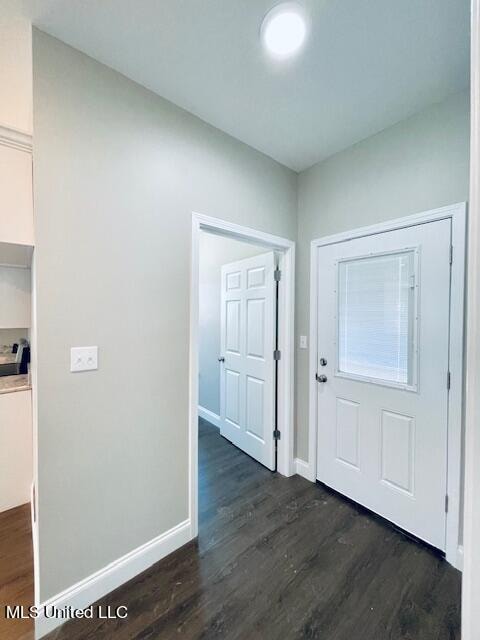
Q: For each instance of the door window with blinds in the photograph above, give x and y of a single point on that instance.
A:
(377, 318)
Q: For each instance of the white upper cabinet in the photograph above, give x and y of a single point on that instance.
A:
(16, 197)
(16, 193)
(16, 105)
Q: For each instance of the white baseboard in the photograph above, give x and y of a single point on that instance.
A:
(209, 416)
(459, 563)
(97, 585)
(302, 468)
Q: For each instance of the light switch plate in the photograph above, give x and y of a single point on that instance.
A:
(303, 342)
(83, 359)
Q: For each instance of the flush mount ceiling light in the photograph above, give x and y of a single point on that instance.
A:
(284, 29)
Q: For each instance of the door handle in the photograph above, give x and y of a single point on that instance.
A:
(321, 378)
(221, 359)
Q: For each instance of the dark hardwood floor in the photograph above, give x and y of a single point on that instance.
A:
(282, 558)
(16, 570)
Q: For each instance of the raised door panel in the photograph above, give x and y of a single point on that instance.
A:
(256, 278)
(255, 414)
(232, 329)
(256, 328)
(232, 397)
(398, 451)
(347, 432)
(233, 281)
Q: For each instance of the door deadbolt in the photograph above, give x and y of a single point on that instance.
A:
(323, 362)
(221, 359)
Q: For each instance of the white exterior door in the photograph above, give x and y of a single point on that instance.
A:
(383, 337)
(247, 393)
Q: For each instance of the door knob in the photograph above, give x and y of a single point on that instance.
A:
(321, 378)
(221, 359)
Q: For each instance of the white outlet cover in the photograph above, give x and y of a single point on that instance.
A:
(83, 359)
(303, 342)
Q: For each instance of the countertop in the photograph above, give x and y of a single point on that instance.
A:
(9, 384)
(8, 358)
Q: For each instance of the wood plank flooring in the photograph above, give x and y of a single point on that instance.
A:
(16, 570)
(282, 558)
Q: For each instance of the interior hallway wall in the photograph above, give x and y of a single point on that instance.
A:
(118, 172)
(418, 164)
(215, 251)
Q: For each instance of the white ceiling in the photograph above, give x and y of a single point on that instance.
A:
(367, 63)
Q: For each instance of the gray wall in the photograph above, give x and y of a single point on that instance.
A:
(118, 172)
(215, 251)
(418, 164)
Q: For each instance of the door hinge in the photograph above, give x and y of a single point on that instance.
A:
(449, 380)
(277, 275)
(446, 504)
(276, 434)
(451, 254)
(277, 354)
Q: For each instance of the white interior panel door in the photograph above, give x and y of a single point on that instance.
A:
(383, 334)
(247, 395)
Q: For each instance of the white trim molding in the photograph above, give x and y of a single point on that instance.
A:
(459, 564)
(209, 416)
(15, 139)
(302, 468)
(457, 214)
(97, 585)
(286, 301)
(471, 526)
(33, 373)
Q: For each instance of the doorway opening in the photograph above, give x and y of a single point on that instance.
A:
(241, 344)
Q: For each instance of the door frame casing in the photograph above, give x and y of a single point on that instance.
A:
(286, 341)
(471, 523)
(457, 214)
